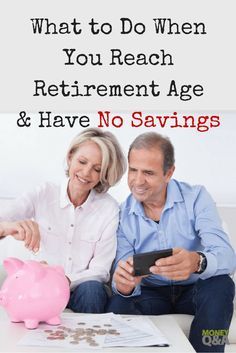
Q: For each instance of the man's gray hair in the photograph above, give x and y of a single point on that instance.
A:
(149, 140)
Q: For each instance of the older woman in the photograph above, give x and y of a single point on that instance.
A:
(77, 220)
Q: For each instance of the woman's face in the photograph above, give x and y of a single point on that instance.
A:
(85, 167)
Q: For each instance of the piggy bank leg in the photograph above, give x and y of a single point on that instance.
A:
(31, 324)
(54, 321)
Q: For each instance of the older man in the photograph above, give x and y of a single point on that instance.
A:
(163, 213)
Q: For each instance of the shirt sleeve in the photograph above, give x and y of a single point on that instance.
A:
(104, 254)
(19, 209)
(221, 257)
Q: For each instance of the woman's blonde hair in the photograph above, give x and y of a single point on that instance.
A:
(113, 160)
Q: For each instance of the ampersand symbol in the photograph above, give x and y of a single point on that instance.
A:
(23, 121)
(216, 340)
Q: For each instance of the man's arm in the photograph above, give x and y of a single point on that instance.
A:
(124, 281)
(123, 278)
(220, 256)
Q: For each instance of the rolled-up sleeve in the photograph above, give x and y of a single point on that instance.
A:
(19, 209)
(221, 257)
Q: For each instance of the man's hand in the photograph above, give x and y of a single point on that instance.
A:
(123, 277)
(177, 267)
(26, 230)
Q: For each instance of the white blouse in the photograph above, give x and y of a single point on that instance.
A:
(82, 240)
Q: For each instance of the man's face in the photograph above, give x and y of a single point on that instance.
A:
(146, 179)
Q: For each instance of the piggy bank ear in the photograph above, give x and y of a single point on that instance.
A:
(35, 269)
(12, 265)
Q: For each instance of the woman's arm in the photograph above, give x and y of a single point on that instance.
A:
(26, 230)
(16, 220)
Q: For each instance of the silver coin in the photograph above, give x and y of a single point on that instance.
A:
(101, 332)
(93, 344)
(74, 342)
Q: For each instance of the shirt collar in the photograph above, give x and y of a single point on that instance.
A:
(136, 207)
(173, 195)
(65, 200)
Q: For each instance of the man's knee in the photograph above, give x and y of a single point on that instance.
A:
(216, 292)
(115, 304)
(217, 286)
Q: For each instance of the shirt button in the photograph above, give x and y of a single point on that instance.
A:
(70, 242)
(49, 228)
(72, 225)
(70, 258)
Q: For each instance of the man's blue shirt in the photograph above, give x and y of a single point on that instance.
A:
(189, 220)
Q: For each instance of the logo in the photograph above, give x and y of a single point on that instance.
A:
(215, 337)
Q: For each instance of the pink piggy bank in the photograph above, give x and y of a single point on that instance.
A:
(34, 292)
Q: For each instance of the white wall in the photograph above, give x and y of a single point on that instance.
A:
(29, 156)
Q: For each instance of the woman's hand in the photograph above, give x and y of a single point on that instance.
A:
(26, 230)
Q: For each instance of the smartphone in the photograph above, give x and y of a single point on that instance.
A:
(143, 261)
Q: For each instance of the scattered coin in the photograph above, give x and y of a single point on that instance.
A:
(93, 344)
(74, 342)
(101, 332)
